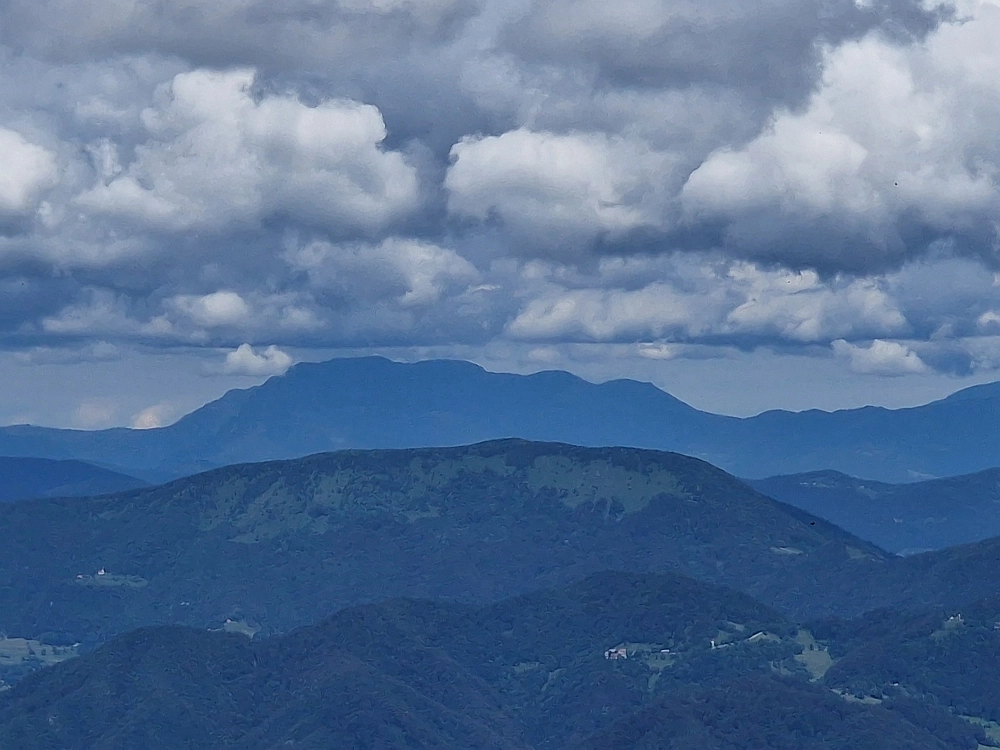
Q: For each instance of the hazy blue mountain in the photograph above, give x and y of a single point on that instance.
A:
(282, 544)
(375, 403)
(901, 518)
(27, 477)
(372, 402)
(528, 672)
(956, 435)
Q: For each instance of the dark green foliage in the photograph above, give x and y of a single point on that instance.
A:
(947, 656)
(283, 544)
(902, 518)
(777, 714)
(528, 672)
(179, 688)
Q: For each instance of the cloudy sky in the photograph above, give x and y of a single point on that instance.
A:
(785, 203)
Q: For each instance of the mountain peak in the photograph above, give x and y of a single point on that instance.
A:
(375, 402)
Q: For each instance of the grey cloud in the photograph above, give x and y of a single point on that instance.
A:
(946, 298)
(26, 295)
(226, 32)
(98, 351)
(767, 50)
(403, 173)
(950, 357)
(721, 303)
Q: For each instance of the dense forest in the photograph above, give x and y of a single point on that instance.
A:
(282, 544)
(502, 595)
(700, 666)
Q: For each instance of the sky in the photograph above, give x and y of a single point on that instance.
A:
(779, 204)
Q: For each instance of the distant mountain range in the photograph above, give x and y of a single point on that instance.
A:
(372, 402)
(901, 518)
(23, 477)
(696, 667)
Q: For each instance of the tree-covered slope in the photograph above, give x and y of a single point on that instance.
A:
(27, 477)
(770, 713)
(529, 672)
(183, 689)
(943, 656)
(281, 544)
(372, 402)
(903, 518)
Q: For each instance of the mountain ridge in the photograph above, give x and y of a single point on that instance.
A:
(372, 402)
(282, 543)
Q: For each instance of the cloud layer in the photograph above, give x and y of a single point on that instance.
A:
(675, 176)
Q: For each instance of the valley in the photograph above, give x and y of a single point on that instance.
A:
(902, 518)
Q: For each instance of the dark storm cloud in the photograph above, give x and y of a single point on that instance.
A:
(447, 172)
(769, 51)
(300, 34)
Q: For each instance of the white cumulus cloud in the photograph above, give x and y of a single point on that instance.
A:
(246, 361)
(216, 155)
(152, 417)
(586, 185)
(890, 358)
(409, 272)
(26, 170)
(223, 308)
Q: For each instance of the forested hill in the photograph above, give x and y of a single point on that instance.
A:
(372, 402)
(697, 668)
(282, 544)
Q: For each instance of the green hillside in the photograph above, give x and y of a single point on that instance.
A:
(946, 656)
(283, 544)
(265, 548)
(701, 666)
(780, 714)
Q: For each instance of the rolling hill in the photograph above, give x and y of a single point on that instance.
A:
(282, 544)
(942, 655)
(264, 548)
(774, 714)
(904, 518)
(27, 477)
(372, 402)
(699, 670)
